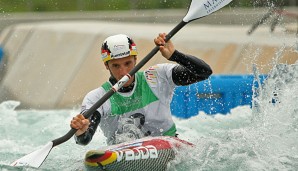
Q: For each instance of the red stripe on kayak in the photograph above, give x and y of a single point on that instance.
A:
(105, 156)
(159, 144)
(163, 143)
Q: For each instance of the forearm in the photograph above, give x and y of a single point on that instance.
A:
(86, 137)
(190, 70)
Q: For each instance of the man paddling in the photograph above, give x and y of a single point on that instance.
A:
(142, 106)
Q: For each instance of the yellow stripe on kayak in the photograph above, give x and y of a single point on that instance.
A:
(91, 164)
(110, 159)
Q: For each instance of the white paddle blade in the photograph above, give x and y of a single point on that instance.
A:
(201, 8)
(36, 158)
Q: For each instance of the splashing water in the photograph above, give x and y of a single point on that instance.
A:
(260, 138)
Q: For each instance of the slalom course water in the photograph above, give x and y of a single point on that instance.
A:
(262, 138)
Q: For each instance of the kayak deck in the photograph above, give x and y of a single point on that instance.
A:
(152, 153)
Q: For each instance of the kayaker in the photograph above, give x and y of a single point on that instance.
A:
(142, 106)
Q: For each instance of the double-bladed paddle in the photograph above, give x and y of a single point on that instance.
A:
(197, 10)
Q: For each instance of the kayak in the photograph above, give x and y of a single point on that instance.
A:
(149, 153)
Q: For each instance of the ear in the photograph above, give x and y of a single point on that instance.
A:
(107, 66)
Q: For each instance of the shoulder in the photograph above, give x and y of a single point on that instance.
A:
(161, 70)
(161, 67)
(95, 93)
(92, 97)
(159, 74)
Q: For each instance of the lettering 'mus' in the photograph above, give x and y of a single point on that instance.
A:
(136, 153)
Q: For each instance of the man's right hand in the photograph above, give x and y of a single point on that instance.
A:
(80, 123)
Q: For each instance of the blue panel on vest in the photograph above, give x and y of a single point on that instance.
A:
(218, 94)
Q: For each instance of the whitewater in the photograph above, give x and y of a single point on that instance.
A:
(261, 137)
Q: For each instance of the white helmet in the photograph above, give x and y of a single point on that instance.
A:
(118, 46)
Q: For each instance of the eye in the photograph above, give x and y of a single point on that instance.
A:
(115, 66)
(128, 63)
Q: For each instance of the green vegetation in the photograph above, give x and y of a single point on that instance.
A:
(86, 5)
(94, 5)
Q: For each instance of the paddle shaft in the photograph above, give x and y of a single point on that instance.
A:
(102, 100)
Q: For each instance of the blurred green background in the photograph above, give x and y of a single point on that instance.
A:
(94, 5)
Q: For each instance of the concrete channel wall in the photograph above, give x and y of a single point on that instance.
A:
(53, 64)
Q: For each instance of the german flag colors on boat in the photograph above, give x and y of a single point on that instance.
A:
(150, 153)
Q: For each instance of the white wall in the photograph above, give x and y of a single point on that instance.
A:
(54, 64)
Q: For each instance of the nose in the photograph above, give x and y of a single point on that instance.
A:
(123, 70)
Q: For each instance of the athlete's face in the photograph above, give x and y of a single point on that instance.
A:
(120, 67)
